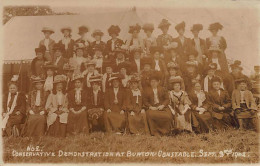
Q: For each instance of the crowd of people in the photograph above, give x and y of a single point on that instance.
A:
(153, 86)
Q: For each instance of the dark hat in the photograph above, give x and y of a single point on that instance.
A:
(180, 26)
(172, 65)
(41, 49)
(119, 50)
(47, 29)
(115, 76)
(240, 80)
(107, 64)
(191, 64)
(65, 28)
(176, 79)
(77, 76)
(215, 26)
(37, 79)
(83, 29)
(148, 27)
(135, 78)
(50, 66)
(97, 32)
(164, 23)
(212, 66)
(96, 78)
(59, 79)
(58, 46)
(133, 28)
(236, 64)
(146, 60)
(155, 49)
(193, 51)
(257, 67)
(216, 79)
(155, 76)
(196, 27)
(114, 29)
(125, 65)
(68, 67)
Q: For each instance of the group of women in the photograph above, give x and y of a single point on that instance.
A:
(154, 86)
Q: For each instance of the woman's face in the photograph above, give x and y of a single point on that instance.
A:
(38, 85)
(109, 70)
(195, 33)
(148, 33)
(147, 67)
(114, 36)
(95, 86)
(115, 83)
(214, 32)
(120, 56)
(197, 87)
(165, 30)
(137, 55)
(123, 71)
(173, 53)
(82, 35)
(216, 85)
(211, 72)
(135, 34)
(156, 55)
(242, 86)
(134, 85)
(236, 70)
(191, 69)
(97, 37)
(79, 52)
(59, 86)
(98, 53)
(47, 34)
(39, 55)
(177, 87)
(214, 54)
(91, 68)
(13, 88)
(181, 32)
(50, 72)
(57, 53)
(154, 83)
(66, 32)
(78, 84)
(173, 72)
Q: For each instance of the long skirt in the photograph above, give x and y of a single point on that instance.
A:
(201, 123)
(223, 120)
(36, 126)
(183, 122)
(96, 119)
(159, 122)
(77, 123)
(245, 113)
(114, 121)
(14, 120)
(137, 123)
(57, 129)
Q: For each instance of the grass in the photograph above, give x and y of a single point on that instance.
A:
(237, 141)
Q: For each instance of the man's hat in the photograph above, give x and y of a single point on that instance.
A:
(133, 28)
(59, 79)
(196, 27)
(180, 26)
(58, 46)
(215, 26)
(41, 49)
(97, 78)
(236, 64)
(65, 28)
(47, 29)
(164, 23)
(97, 32)
(148, 27)
(114, 29)
(83, 29)
(176, 79)
(212, 66)
(172, 65)
(155, 49)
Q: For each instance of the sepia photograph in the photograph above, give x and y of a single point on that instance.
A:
(130, 82)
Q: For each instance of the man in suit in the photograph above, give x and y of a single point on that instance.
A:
(183, 42)
(59, 60)
(48, 43)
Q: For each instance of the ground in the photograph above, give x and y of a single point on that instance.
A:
(242, 145)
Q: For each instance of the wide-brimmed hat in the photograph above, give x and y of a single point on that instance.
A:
(114, 29)
(90, 62)
(83, 29)
(196, 27)
(60, 79)
(107, 63)
(164, 23)
(180, 26)
(47, 29)
(236, 64)
(115, 76)
(37, 79)
(172, 65)
(41, 49)
(212, 66)
(215, 26)
(68, 67)
(133, 28)
(155, 49)
(65, 28)
(97, 32)
(240, 80)
(148, 27)
(216, 79)
(58, 46)
(119, 50)
(176, 79)
(96, 78)
(124, 65)
(77, 76)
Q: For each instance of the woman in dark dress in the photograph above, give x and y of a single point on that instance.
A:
(67, 42)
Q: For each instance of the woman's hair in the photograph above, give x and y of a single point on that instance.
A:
(54, 90)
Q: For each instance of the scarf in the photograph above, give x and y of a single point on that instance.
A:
(78, 95)
(201, 97)
(136, 93)
(48, 85)
(66, 42)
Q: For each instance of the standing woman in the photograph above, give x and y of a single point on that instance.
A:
(97, 35)
(14, 108)
(78, 117)
(149, 40)
(57, 108)
(36, 123)
(77, 60)
(83, 30)
(180, 106)
(219, 42)
(135, 40)
(201, 117)
(137, 122)
(48, 43)
(164, 40)
(67, 42)
(38, 62)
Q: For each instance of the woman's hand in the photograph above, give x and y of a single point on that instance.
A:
(161, 107)
(18, 113)
(132, 113)
(42, 113)
(31, 112)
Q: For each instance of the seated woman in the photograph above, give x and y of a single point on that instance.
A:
(156, 100)
(244, 105)
(77, 118)
(137, 122)
(36, 123)
(220, 103)
(14, 108)
(201, 117)
(96, 104)
(180, 106)
(114, 115)
(57, 108)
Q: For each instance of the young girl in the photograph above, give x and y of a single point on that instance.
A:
(149, 40)
(137, 122)
(77, 117)
(180, 106)
(57, 108)
(244, 105)
(201, 117)
(67, 42)
(14, 108)
(36, 123)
